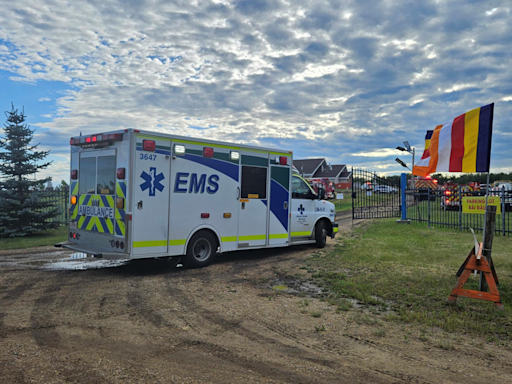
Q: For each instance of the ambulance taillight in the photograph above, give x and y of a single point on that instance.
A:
(283, 160)
(120, 174)
(74, 174)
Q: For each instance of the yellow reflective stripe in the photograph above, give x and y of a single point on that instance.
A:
(306, 233)
(471, 126)
(230, 147)
(91, 223)
(178, 242)
(120, 223)
(119, 191)
(228, 239)
(141, 135)
(279, 236)
(152, 243)
(254, 237)
(75, 189)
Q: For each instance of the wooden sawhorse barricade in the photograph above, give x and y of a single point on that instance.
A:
(477, 263)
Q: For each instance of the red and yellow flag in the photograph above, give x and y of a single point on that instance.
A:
(460, 145)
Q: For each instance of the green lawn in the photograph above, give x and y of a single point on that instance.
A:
(45, 238)
(410, 269)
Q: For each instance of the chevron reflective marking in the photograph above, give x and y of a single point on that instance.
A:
(90, 219)
(120, 229)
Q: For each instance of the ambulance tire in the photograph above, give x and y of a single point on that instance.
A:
(201, 250)
(320, 234)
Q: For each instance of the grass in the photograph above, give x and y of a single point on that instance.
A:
(408, 272)
(44, 238)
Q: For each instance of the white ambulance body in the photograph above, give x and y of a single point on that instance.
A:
(137, 194)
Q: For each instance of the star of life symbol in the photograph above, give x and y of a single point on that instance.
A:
(301, 209)
(152, 181)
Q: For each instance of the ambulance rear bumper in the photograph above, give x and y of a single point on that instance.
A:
(92, 252)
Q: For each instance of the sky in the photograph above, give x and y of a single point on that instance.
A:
(344, 80)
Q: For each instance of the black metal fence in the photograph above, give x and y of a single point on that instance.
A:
(58, 198)
(374, 197)
(442, 208)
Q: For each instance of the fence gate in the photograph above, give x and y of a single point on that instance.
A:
(374, 197)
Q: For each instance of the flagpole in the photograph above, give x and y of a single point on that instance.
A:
(481, 282)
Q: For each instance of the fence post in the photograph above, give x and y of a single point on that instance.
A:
(403, 187)
(503, 206)
(428, 205)
(460, 208)
(66, 203)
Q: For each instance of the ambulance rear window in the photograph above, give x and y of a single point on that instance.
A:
(87, 174)
(97, 175)
(106, 175)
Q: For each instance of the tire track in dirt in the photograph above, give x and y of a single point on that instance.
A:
(263, 340)
(137, 302)
(266, 370)
(43, 332)
(18, 291)
(2, 316)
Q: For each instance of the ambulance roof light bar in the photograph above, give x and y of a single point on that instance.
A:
(96, 139)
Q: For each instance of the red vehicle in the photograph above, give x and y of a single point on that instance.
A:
(330, 192)
(451, 195)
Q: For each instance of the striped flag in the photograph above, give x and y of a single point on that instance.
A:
(460, 145)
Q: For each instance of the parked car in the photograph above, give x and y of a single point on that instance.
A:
(384, 189)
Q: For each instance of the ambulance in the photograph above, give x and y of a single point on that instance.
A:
(137, 194)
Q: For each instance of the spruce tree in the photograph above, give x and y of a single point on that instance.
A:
(24, 210)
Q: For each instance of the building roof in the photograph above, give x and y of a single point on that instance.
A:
(328, 171)
(345, 174)
(307, 166)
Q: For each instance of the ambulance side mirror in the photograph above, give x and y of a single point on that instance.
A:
(321, 193)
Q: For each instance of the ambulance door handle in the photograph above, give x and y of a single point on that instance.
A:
(139, 204)
(238, 196)
(285, 205)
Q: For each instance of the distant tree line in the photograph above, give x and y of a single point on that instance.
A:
(462, 178)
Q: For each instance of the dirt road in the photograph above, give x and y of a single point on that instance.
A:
(248, 318)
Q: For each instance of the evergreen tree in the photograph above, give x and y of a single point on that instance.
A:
(24, 210)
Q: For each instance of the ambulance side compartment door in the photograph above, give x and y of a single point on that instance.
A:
(151, 196)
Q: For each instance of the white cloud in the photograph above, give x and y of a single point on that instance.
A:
(340, 80)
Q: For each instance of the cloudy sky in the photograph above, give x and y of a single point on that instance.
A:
(345, 80)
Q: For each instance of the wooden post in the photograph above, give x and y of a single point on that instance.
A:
(490, 225)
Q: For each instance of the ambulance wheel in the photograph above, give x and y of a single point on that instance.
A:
(320, 234)
(201, 250)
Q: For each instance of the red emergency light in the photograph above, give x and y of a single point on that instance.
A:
(149, 145)
(207, 152)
